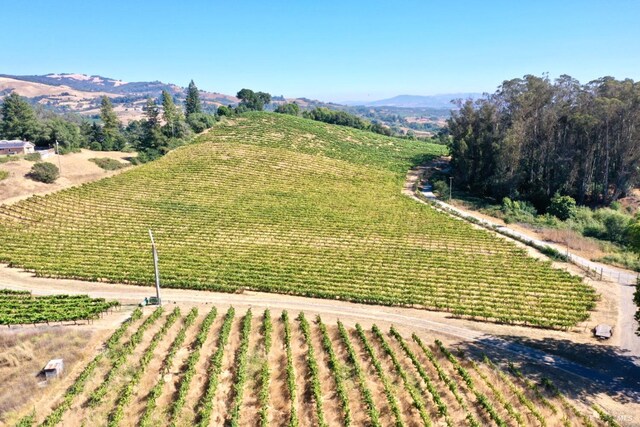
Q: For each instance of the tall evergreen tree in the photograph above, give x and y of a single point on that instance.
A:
(18, 119)
(111, 126)
(170, 113)
(192, 103)
(110, 121)
(154, 142)
(152, 114)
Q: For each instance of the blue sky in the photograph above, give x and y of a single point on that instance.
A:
(330, 50)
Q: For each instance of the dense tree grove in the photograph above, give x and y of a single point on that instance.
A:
(534, 138)
(290, 108)
(252, 101)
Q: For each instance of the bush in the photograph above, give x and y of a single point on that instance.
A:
(33, 157)
(288, 108)
(622, 259)
(562, 207)
(108, 164)
(4, 175)
(442, 188)
(611, 225)
(200, 122)
(518, 211)
(44, 172)
(8, 158)
(223, 110)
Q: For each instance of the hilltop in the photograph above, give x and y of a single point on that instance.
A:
(283, 204)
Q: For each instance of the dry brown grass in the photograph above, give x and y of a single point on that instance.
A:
(23, 353)
(573, 239)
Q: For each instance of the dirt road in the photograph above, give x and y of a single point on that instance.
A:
(626, 280)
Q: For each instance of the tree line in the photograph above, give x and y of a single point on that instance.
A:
(341, 118)
(164, 126)
(535, 137)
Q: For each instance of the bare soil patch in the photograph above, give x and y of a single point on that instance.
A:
(75, 169)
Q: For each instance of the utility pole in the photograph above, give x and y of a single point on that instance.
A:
(58, 153)
(450, 185)
(155, 266)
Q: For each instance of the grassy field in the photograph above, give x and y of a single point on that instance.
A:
(174, 368)
(283, 204)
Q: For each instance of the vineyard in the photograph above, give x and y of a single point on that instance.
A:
(172, 368)
(281, 204)
(20, 307)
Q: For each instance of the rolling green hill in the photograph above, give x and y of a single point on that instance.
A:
(282, 204)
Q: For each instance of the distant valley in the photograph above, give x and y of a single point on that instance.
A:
(435, 102)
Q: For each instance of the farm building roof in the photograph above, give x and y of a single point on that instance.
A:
(603, 331)
(53, 364)
(15, 143)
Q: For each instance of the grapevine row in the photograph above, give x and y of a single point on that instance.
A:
(267, 329)
(337, 371)
(435, 395)
(388, 389)
(156, 391)
(482, 399)
(372, 410)
(413, 391)
(190, 368)
(119, 356)
(126, 393)
(213, 370)
(291, 372)
(241, 372)
(312, 363)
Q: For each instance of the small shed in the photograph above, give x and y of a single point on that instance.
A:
(53, 368)
(603, 331)
(16, 146)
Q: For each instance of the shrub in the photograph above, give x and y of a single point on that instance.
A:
(108, 164)
(44, 172)
(4, 175)
(95, 146)
(518, 211)
(200, 122)
(33, 157)
(562, 207)
(223, 110)
(632, 236)
(288, 108)
(7, 159)
(442, 188)
(612, 225)
(624, 259)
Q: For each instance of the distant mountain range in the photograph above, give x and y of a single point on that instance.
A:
(81, 93)
(418, 101)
